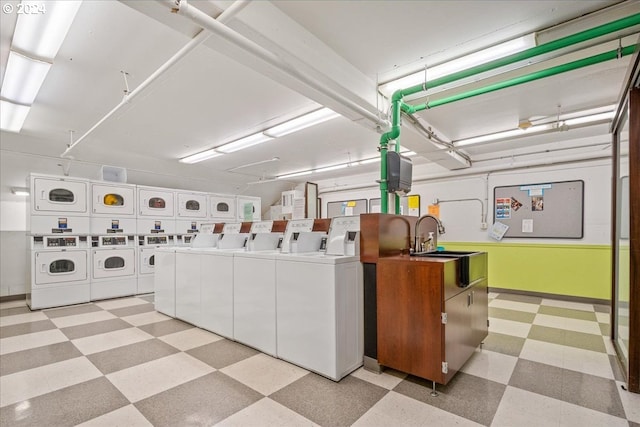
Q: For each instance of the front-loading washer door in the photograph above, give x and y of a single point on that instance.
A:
(60, 266)
(113, 262)
(147, 261)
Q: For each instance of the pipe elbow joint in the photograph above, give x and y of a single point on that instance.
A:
(397, 96)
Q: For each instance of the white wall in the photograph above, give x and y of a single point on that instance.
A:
(13, 248)
(463, 219)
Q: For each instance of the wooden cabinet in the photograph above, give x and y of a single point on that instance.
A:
(428, 326)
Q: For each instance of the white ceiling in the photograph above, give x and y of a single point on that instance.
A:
(219, 92)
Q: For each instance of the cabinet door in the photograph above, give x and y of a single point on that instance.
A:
(409, 324)
(480, 313)
(458, 342)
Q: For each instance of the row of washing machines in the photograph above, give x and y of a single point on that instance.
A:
(91, 240)
(296, 295)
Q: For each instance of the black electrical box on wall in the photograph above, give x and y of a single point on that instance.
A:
(399, 170)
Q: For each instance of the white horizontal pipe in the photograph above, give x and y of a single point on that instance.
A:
(200, 38)
(213, 25)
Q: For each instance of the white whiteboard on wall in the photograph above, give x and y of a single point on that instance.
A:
(544, 210)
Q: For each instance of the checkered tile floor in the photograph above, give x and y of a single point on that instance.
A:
(120, 363)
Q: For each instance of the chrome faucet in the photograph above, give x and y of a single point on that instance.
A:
(440, 230)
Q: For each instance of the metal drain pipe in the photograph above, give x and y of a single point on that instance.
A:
(200, 38)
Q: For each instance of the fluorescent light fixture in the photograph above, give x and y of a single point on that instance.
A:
(506, 134)
(12, 116)
(41, 31)
(590, 119)
(292, 175)
(369, 161)
(23, 78)
(199, 157)
(242, 143)
(465, 62)
(331, 168)
(18, 191)
(302, 122)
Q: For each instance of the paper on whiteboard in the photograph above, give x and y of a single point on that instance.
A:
(527, 226)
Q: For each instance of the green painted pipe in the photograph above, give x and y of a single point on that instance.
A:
(592, 60)
(580, 37)
(396, 100)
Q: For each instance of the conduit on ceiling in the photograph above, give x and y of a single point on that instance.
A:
(398, 105)
(200, 38)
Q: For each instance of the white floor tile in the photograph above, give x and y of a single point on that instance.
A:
(509, 327)
(608, 345)
(81, 319)
(266, 413)
(264, 374)
(490, 365)
(127, 416)
(22, 318)
(395, 409)
(384, 379)
(630, 403)
(525, 409)
(120, 302)
(514, 305)
(567, 323)
(109, 340)
(28, 341)
(568, 304)
(190, 338)
(35, 382)
(493, 295)
(145, 318)
(147, 379)
(603, 317)
(571, 358)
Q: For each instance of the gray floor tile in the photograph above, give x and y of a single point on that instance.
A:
(632, 424)
(605, 329)
(165, 327)
(149, 297)
(468, 396)
(569, 338)
(519, 298)
(505, 344)
(223, 353)
(26, 328)
(70, 311)
(40, 356)
(94, 328)
(203, 402)
(66, 407)
(14, 310)
(516, 316)
(327, 402)
(567, 312)
(130, 355)
(599, 308)
(134, 309)
(599, 394)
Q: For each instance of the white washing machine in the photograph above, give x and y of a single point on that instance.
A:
(113, 208)
(58, 205)
(147, 246)
(254, 300)
(222, 207)
(113, 266)
(156, 213)
(164, 283)
(60, 271)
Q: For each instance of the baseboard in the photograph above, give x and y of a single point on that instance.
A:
(7, 298)
(569, 298)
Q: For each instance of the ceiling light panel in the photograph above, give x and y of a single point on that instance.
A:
(199, 157)
(246, 142)
(301, 122)
(12, 116)
(292, 175)
(23, 78)
(41, 31)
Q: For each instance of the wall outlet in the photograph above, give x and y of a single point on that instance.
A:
(483, 226)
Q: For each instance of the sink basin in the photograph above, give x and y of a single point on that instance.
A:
(471, 266)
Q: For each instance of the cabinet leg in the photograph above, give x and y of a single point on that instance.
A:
(434, 393)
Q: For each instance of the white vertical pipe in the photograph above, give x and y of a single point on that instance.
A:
(200, 38)
(213, 25)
